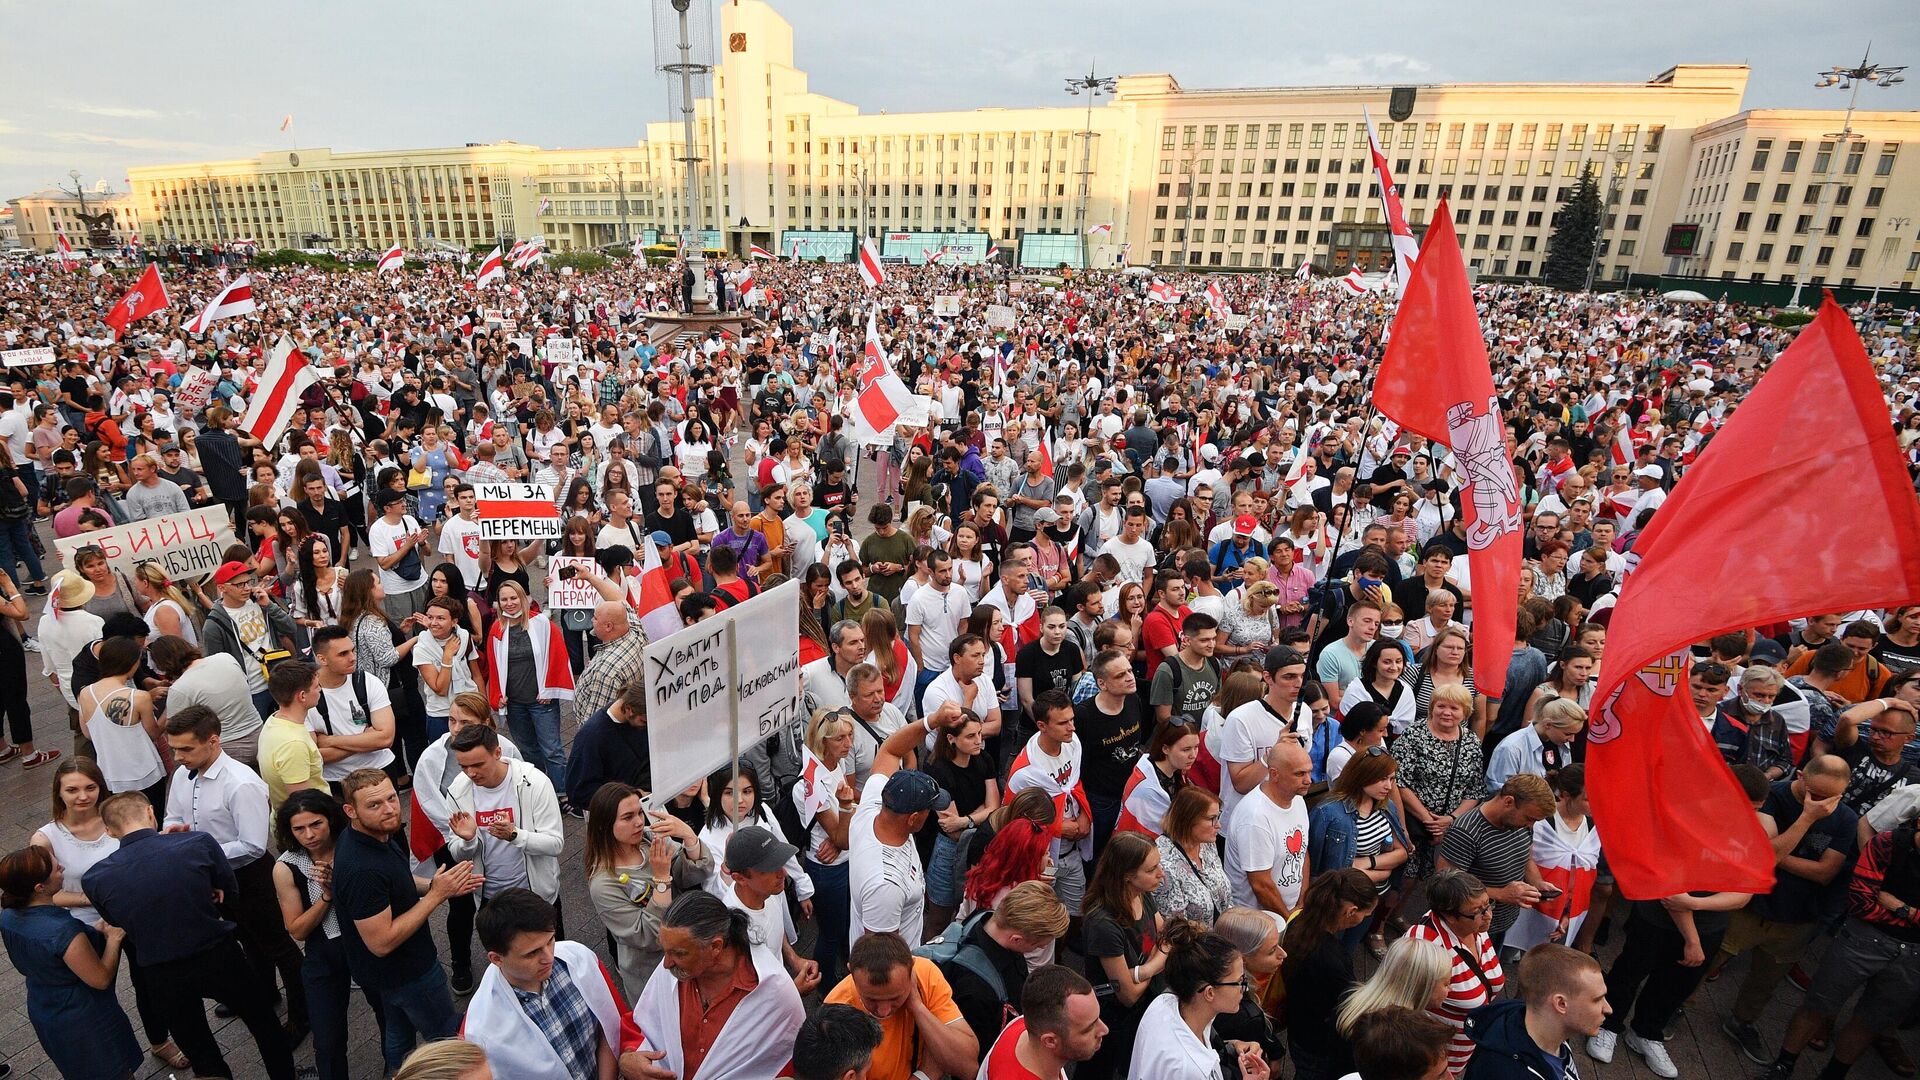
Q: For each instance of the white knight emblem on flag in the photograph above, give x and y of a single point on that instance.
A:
(1479, 444)
(133, 300)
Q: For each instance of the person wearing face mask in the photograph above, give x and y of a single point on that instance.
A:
(1749, 730)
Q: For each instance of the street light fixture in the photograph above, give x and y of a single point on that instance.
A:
(1850, 79)
(1090, 86)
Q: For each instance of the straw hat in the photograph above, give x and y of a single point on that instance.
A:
(70, 590)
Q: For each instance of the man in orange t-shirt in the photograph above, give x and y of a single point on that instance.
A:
(915, 1007)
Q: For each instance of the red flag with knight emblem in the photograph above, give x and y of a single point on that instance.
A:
(1799, 506)
(1434, 379)
(147, 296)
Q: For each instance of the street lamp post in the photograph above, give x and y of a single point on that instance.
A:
(213, 196)
(619, 176)
(1850, 79)
(1090, 86)
(685, 69)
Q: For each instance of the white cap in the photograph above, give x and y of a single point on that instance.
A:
(1651, 472)
(1210, 453)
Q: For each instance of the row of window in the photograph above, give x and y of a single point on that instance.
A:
(1823, 157)
(1228, 137)
(1803, 223)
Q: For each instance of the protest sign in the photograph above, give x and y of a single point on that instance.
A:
(571, 594)
(516, 511)
(562, 351)
(999, 317)
(192, 393)
(721, 686)
(27, 357)
(946, 306)
(183, 545)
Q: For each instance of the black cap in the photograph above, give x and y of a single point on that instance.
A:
(910, 791)
(754, 849)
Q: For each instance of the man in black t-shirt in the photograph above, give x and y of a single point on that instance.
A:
(383, 916)
(1875, 753)
(326, 517)
(1112, 726)
(173, 469)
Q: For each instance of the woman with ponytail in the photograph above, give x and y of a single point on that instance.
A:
(70, 970)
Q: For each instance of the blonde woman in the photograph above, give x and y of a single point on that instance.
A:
(825, 799)
(1413, 975)
(169, 612)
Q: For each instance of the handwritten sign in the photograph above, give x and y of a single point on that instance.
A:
(570, 594)
(1237, 322)
(194, 389)
(999, 317)
(28, 357)
(516, 511)
(182, 545)
(562, 351)
(736, 673)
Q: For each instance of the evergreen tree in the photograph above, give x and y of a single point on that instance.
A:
(1576, 226)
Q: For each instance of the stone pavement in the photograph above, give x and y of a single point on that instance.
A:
(1698, 1047)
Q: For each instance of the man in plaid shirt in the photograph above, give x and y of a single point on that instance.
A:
(545, 1008)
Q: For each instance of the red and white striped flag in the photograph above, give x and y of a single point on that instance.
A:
(1216, 301)
(1103, 229)
(545, 204)
(1621, 453)
(287, 374)
(757, 252)
(1304, 272)
(528, 252)
(286, 122)
(235, 299)
(492, 268)
(1405, 248)
(394, 259)
(883, 395)
(66, 252)
(1355, 283)
(993, 249)
(1163, 293)
(796, 251)
(871, 270)
(658, 615)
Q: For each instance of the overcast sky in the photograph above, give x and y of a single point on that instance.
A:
(102, 89)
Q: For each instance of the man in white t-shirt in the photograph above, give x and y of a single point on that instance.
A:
(885, 879)
(1266, 859)
(965, 683)
(935, 615)
(504, 816)
(1131, 550)
(397, 543)
(353, 720)
(1252, 729)
(460, 537)
(753, 879)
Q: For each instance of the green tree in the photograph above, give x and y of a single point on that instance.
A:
(1576, 226)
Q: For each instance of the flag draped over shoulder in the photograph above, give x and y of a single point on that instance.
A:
(1799, 506)
(1434, 379)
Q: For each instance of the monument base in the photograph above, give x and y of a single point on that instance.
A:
(668, 329)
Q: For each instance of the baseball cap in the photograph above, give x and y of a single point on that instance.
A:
(755, 849)
(1651, 472)
(1246, 525)
(229, 571)
(910, 791)
(1046, 515)
(1767, 651)
(1210, 453)
(660, 538)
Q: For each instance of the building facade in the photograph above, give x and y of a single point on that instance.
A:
(42, 218)
(1241, 178)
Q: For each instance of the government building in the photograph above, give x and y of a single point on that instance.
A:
(1156, 173)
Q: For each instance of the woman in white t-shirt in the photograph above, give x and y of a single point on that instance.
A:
(825, 802)
(449, 664)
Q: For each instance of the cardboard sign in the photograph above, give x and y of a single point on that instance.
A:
(946, 307)
(723, 685)
(571, 594)
(517, 511)
(1237, 322)
(194, 389)
(999, 317)
(28, 357)
(182, 545)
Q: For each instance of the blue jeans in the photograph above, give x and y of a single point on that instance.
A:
(17, 547)
(1106, 814)
(947, 871)
(329, 993)
(421, 1009)
(832, 916)
(535, 727)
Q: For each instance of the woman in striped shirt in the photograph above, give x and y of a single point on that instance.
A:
(1462, 912)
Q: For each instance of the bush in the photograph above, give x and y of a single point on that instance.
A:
(1790, 319)
(287, 257)
(583, 262)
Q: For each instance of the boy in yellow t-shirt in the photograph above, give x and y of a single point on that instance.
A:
(289, 757)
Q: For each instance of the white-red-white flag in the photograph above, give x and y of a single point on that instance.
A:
(1304, 272)
(1405, 248)
(287, 374)
(492, 268)
(286, 122)
(992, 250)
(755, 251)
(528, 252)
(871, 270)
(1216, 301)
(1621, 453)
(883, 397)
(1102, 229)
(235, 299)
(1161, 292)
(66, 252)
(659, 616)
(394, 259)
(1355, 283)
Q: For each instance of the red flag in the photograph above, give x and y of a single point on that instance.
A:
(1434, 379)
(147, 296)
(1799, 506)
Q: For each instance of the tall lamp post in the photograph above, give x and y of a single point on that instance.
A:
(1849, 79)
(1089, 86)
(684, 69)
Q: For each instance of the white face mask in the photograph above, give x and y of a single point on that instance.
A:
(1390, 631)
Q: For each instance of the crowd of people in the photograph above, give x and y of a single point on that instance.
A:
(1138, 729)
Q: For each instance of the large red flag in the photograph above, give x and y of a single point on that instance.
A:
(1434, 379)
(147, 296)
(1799, 506)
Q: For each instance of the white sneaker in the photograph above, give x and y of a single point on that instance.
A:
(1655, 1054)
(1601, 1044)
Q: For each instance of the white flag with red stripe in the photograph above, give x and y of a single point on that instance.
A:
(1304, 272)
(659, 616)
(1621, 452)
(755, 251)
(1216, 301)
(66, 252)
(492, 268)
(394, 259)
(871, 270)
(1356, 283)
(883, 396)
(287, 374)
(235, 299)
(1405, 248)
(1102, 229)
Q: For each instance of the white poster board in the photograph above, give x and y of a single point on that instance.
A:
(946, 306)
(919, 408)
(562, 351)
(516, 511)
(999, 317)
(571, 594)
(28, 357)
(183, 545)
(735, 674)
(525, 341)
(194, 389)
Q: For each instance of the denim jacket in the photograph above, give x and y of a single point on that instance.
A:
(1333, 834)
